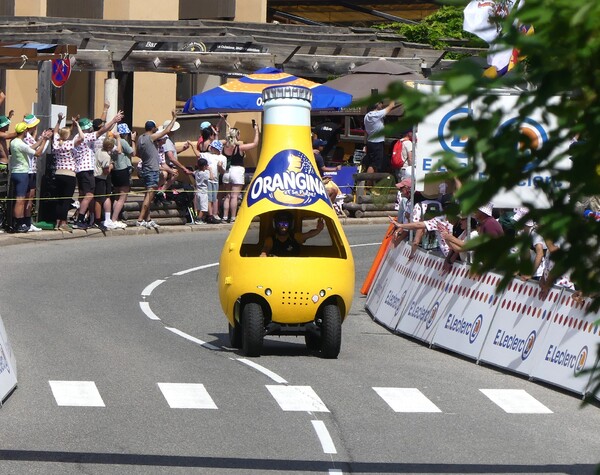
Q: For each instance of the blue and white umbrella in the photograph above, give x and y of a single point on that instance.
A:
(245, 94)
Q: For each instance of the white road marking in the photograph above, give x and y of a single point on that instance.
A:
(324, 437)
(187, 396)
(193, 339)
(406, 400)
(516, 401)
(275, 377)
(148, 290)
(145, 306)
(297, 398)
(194, 269)
(76, 393)
(367, 244)
(335, 471)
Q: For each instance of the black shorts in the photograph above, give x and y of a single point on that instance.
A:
(120, 178)
(32, 181)
(86, 182)
(102, 189)
(374, 156)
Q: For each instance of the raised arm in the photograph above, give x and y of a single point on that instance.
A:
(161, 133)
(249, 146)
(59, 120)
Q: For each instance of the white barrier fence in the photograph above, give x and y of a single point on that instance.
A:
(552, 340)
(8, 365)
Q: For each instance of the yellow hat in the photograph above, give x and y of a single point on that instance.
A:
(21, 127)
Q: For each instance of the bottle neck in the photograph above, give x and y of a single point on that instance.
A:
(287, 112)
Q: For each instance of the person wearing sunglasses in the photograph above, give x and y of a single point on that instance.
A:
(284, 242)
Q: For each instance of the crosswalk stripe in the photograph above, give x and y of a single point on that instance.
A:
(76, 393)
(297, 398)
(187, 396)
(406, 400)
(516, 401)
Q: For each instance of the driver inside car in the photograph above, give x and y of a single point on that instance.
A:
(284, 242)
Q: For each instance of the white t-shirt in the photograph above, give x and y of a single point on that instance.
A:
(213, 163)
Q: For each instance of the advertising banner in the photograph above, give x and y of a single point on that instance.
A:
(515, 338)
(8, 366)
(569, 346)
(535, 128)
(392, 287)
(471, 302)
(422, 315)
(343, 178)
(433, 135)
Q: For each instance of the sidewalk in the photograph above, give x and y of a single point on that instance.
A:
(8, 239)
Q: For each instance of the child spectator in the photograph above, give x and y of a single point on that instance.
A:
(201, 175)
(216, 163)
(103, 166)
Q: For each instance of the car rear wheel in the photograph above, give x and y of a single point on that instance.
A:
(331, 332)
(253, 326)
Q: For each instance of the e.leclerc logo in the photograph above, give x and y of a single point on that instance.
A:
(422, 313)
(289, 179)
(516, 344)
(464, 326)
(392, 300)
(563, 357)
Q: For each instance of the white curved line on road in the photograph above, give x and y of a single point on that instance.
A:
(193, 269)
(193, 339)
(145, 306)
(324, 437)
(148, 290)
(267, 372)
(366, 244)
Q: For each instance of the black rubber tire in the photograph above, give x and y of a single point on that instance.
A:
(235, 336)
(331, 332)
(253, 329)
(313, 341)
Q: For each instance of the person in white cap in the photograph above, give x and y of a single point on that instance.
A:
(487, 224)
(171, 151)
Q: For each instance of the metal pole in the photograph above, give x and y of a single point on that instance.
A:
(43, 112)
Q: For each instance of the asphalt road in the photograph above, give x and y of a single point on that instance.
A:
(124, 367)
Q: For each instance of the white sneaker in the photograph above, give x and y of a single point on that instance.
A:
(141, 224)
(152, 225)
(34, 229)
(108, 224)
(120, 224)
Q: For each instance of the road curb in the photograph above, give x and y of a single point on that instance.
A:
(9, 239)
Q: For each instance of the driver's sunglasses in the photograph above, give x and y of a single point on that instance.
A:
(283, 223)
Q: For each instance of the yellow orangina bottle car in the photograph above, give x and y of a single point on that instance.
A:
(286, 267)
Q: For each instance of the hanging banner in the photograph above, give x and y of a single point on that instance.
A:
(8, 365)
(535, 128)
(470, 308)
(569, 347)
(433, 135)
